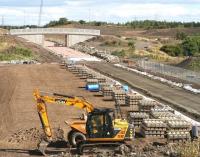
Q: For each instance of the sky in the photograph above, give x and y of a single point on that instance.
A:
(23, 12)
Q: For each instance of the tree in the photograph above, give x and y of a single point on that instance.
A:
(190, 46)
(82, 22)
(63, 21)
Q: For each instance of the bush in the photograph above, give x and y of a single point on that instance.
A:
(119, 53)
(181, 35)
(131, 44)
(172, 50)
(189, 47)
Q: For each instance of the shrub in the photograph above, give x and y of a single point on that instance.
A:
(189, 47)
(172, 50)
(181, 35)
(131, 44)
(119, 53)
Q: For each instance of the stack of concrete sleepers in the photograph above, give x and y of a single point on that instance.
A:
(75, 68)
(107, 91)
(153, 128)
(163, 108)
(146, 105)
(91, 74)
(119, 97)
(163, 115)
(83, 73)
(133, 99)
(100, 78)
(104, 84)
(91, 81)
(178, 130)
(136, 118)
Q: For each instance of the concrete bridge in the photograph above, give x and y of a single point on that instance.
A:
(72, 35)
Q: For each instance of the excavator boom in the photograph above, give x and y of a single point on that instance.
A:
(59, 99)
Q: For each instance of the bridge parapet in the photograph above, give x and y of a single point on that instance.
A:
(43, 31)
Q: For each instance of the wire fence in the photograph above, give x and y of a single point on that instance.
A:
(176, 72)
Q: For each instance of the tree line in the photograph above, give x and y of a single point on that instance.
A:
(144, 24)
(190, 46)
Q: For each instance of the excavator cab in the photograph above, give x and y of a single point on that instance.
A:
(99, 124)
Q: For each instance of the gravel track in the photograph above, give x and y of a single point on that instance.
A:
(180, 99)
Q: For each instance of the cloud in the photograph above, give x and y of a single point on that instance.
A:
(103, 10)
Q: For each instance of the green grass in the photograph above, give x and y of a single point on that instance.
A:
(16, 53)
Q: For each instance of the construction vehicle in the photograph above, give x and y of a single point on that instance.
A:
(100, 129)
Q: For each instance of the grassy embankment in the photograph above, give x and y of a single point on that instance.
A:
(12, 51)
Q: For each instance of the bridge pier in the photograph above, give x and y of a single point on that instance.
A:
(71, 40)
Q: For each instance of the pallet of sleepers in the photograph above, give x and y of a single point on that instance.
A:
(104, 84)
(179, 125)
(163, 108)
(136, 118)
(146, 105)
(178, 130)
(76, 69)
(133, 99)
(83, 73)
(153, 128)
(119, 97)
(107, 91)
(101, 79)
(161, 114)
(178, 136)
(91, 81)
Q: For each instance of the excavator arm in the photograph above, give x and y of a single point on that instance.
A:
(59, 99)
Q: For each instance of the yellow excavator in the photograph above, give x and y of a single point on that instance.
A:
(100, 129)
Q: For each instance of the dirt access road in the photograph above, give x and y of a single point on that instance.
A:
(18, 116)
(185, 102)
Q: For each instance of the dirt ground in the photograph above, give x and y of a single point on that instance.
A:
(18, 110)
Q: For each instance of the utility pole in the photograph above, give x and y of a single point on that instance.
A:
(89, 14)
(2, 20)
(24, 18)
(40, 13)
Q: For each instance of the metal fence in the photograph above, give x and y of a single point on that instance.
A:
(176, 72)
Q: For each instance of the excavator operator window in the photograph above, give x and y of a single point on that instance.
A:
(99, 126)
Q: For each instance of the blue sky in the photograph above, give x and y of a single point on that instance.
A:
(19, 12)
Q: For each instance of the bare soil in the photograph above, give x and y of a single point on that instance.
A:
(19, 122)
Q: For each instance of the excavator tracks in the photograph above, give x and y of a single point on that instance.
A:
(110, 148)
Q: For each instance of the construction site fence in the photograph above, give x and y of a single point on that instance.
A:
(172, 71)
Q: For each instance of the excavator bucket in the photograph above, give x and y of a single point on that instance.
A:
(57, 148)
